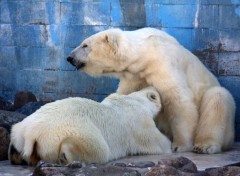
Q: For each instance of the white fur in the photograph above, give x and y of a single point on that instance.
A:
(152, 57)
(92, 132)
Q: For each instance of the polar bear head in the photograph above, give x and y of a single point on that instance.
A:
(99, 53)
(144, 101)
(115, 52)
(152, 98)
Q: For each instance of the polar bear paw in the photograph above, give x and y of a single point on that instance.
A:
(181, 148)
(62, 159)
(206, 148)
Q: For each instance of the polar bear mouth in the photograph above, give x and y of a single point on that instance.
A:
(80, 65)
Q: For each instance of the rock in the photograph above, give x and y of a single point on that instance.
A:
(180, 166)
(21, 98)
(10, 118)
(4, 104)
(175, 167)
(120, 164)
(47, 171)
(222, 171)
(4, 143)
(89, 170)
(42, 163)
(7, 119)
(181, 163)
(159, 170)
(109, 171)
(74, 165)
(141, 164)
(6, 126)
(30, 107)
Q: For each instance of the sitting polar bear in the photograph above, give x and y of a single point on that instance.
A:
(90, 132)
(198, 114)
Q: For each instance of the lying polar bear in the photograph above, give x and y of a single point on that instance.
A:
(90, 132)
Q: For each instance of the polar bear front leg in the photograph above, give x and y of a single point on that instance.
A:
(183, 120)
(127, 86)
(215, 130)
(180, 109)
(86, 149)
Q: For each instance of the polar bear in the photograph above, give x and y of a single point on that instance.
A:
(198, 114)
(90, 132)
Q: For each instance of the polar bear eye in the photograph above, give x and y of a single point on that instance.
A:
(153, 97)
(84, 46)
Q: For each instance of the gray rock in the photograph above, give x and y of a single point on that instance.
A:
(4, 104)
(7, 119)
(141, 164)
(172, 167)
(107, 170)
(89, 170)
(180, 166)
(10, 118)
(181, 163)
(30, 107)
(223, 171)
(74, 165)
(120, 164)
(4, 143)
(48, 171)
(160, 170)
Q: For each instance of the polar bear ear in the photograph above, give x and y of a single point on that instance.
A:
(113, 38)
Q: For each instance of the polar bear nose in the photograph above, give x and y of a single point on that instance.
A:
(70, 59)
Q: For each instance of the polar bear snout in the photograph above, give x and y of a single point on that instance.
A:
(78, 65)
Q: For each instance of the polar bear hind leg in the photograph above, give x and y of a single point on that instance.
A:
(215, 131)
(84, 149)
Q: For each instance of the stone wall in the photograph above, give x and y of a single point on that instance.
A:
(37, 35)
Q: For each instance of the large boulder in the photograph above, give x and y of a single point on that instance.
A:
(22, 98)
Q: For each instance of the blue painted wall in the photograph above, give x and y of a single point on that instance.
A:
(37, 35)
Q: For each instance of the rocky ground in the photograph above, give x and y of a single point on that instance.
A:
(171, 165)
(184, 164)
